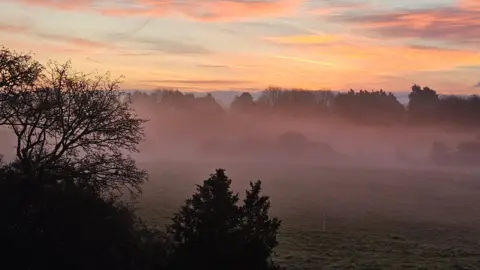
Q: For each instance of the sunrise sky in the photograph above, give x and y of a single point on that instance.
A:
(205, 45)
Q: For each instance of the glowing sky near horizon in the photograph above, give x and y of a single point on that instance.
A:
(204, 45)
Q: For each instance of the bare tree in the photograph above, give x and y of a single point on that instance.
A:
(79, 127)
(17, 69)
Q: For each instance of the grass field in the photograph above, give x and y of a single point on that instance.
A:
(374, 219)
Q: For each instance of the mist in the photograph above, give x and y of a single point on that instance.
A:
(257, 137)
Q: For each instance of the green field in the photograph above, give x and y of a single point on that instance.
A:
(374, 219)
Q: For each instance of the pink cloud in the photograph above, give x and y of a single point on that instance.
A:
(76, 41)
(204, 10)
(232, 10)
(457, 24)
(70, 40)
(13, 28)
(61, 4)
(339, 8)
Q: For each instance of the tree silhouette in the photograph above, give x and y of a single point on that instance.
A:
(212, 232)
(79, 127)
(295, 102)
(243, 103)
(459, 111)
(259, 230)
(422, 105)
(208, 105)
(57, 197)
(17, 70)
(375, 107)
(71, 227)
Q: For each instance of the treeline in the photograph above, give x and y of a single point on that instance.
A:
(425, 106)
(61, 203)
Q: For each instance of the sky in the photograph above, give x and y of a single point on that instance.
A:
(208, 45)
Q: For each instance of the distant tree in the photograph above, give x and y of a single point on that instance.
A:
(323, 99)
(374, 107)
(296, 102)
(243, 103)
(423, 105)
(270, 97)
(208, 105)
(172, 100)
(80, 127)
(212, 231)
(459, 111)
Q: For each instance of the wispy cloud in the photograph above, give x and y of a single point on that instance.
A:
(93, 60)
(75, 41)
(456, 24)
(305, 39)
(298, 43)
(10, 28)
(212, 66)
(200, 82)
(348, 53)
(304, 60)
(124, 35)
(69, 40)
(477, 85)
(339, 7)
(171, 46)
(62, 4)
(205, 10)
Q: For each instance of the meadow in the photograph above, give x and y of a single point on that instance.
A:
(346, 217)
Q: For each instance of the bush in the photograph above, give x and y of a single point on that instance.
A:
(212, 231)
(71, 227)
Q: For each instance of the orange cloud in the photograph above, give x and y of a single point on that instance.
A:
(13, 28)
(231, 9)
(70, 40)
(205, 10)
(351, 53)
(459, 24)
(470, 4)
(339, 8)
(306, 39)
(62, 4)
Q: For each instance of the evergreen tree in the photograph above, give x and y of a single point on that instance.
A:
(258, 229)
(212, 231)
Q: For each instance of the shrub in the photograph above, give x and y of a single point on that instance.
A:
(211, 231)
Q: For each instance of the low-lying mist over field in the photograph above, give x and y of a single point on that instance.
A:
(216, 134)
(348, 192)
(280, 141)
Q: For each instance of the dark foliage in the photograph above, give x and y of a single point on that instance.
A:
(57, 204)
(243, 103)
(78, 126)
(459, 111)
(375, 107)
(212, 231)
(295, 102)
(173, 101)
(17, 70)
(423, 105)
(59, 226)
